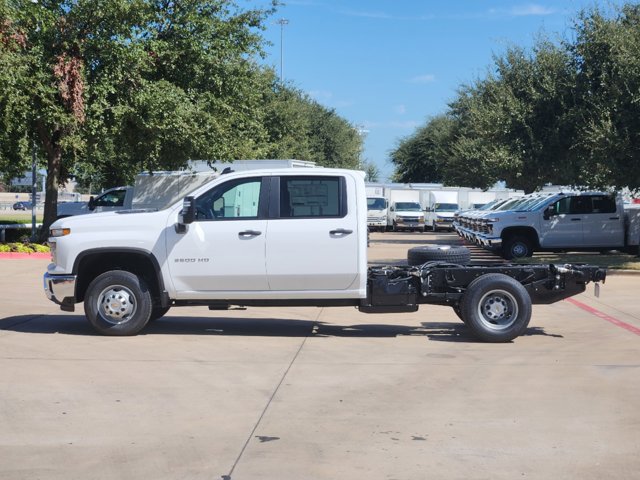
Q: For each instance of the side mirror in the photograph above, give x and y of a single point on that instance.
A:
(547, 213)
(392, 209)
(92, 203)
(188, 213)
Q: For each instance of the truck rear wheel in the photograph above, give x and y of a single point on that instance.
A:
(438, 253)
(496, 307)
(118, 303)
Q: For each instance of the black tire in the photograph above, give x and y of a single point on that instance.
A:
(118, 303)
(517, 247)
(438, 253)
(496, 307)
(158, 312)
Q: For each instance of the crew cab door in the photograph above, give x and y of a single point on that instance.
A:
(561, 225)
(312, 238)
(223, 250)
(603, 224)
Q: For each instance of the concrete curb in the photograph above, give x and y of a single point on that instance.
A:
(24, 255)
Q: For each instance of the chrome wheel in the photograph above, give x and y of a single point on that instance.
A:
(498, 309)
(519, 250)
(116, 304)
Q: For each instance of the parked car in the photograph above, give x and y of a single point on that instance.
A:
(22, 206)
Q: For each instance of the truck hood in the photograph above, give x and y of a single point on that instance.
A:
(108, 221)
(409, 213)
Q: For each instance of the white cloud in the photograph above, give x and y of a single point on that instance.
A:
(327, 98)
(531, 10)
(426, 78)
(528, 10)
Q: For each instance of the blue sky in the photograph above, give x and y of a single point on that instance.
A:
(387, 66)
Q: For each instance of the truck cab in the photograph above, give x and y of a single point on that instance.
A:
(441, 209)
(377, 213)
(406, 216)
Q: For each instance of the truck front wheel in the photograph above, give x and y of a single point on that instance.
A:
(517, 247)
(496, 307)
(118, 303)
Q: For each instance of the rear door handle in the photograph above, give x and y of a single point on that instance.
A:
(614, 218)
(249, 233)
(576, 219)
(340, 231)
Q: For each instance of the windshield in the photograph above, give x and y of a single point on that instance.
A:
(445, 207)
(541, 202)
(509, 204)
(376, 203)
(408, 206)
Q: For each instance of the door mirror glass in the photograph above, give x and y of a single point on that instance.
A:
(92, 203)
(188, 213)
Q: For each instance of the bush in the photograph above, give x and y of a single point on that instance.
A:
(23, 248)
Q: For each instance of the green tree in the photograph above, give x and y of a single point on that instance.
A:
(372, 172)
(607, 117)
(128, 85)
(422, 156)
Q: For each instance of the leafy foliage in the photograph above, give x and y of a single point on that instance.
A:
(108, 88)
(566, 114)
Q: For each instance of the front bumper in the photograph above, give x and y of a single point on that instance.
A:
(488, 241)
(409, 226)
(444, 224)
(61, 289)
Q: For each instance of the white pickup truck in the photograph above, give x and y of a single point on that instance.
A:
(555, 221)
(118, 198)
(285, 237)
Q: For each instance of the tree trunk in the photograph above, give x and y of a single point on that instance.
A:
(54, 164)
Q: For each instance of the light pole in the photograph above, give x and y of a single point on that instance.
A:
(282, 22)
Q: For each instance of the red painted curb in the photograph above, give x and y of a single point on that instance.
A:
(24, 255)
(604, 316)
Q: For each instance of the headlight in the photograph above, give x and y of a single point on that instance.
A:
(59, 232)
(52, 249)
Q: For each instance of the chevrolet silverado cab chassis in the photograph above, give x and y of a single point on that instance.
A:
(285, 237)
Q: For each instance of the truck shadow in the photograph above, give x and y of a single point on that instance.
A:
(264, 327)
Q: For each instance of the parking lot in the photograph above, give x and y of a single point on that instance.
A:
(319, 393)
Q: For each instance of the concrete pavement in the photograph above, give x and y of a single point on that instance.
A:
(318, 393)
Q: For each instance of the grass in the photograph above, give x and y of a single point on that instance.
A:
(612, 260)
(18, 218)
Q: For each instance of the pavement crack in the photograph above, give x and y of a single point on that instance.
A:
(273, 394)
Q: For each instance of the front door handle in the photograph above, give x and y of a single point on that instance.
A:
(614, 218)
(340, 231)
(249, 233)
(576, 219)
